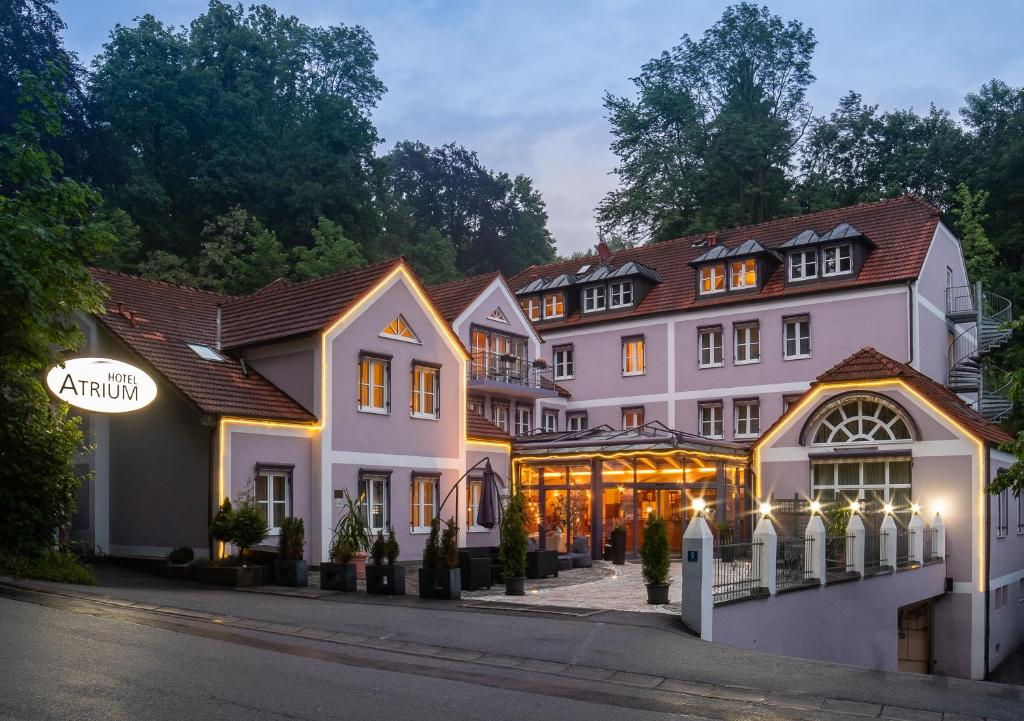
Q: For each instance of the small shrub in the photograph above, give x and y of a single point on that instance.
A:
(450, 545)
(391, 550)
(48, 566)
(248, 527)
(352, 528)
(432, 548)
(341, 551)
(180, 555)
(292, 543)
(512, 550)
(220, 527)
(654, 553)
(379, 549)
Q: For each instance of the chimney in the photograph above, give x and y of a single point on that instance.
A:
(218, 326)
(602, 251)
(712, 239)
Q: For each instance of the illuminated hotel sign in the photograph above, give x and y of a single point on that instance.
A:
(102, 385)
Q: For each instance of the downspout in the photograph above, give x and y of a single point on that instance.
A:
(910, 319)
(214, 470)
(218, 326)
(986, 513)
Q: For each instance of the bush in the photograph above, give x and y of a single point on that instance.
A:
(654, 553)
(220, 528)
(352, 531)
(248, 527)
(512, 549)
(180, 555)
(379, 549)
(391, 549)
(292, 543)
(48, 566)
(449, 545)
(432, 548)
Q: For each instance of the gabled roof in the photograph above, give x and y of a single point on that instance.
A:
(479, 427)
(453, 297)
(282, 309)
(901, 229)
(156, 320)
(869, 364)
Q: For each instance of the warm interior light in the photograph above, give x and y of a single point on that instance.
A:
(698, 505)
(887, 508)
(765, 508)
(815, 506)
(855, 506)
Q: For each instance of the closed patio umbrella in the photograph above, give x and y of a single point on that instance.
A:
(487, 513)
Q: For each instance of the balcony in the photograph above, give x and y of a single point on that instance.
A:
(510, 375)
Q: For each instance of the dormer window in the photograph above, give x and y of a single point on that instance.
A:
(554, 306)
(744, 273)
(531, 307)
(712, 279)
(803, 265)
(837, 260)
(620, 294)
(593, 298)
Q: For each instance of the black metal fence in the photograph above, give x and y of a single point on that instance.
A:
(737, 571)
(507, 368)
(904, 548)
(931, 544)
(791, 569)
(875, 559)
(838, 555)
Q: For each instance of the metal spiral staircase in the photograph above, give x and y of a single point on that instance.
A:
(982, 320)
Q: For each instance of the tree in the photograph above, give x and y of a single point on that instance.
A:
(432, 256)
(707, 139)
(979, 253)
(239, 255)
(332, 251)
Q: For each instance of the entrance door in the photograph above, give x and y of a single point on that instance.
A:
(915, 647)
(666, 503)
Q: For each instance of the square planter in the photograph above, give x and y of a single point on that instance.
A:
(179, 572)
(288, 572)
(442, 583)
(338, 576)
(385, 580)
(232, 575)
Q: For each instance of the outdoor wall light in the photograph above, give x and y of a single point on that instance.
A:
(855, 506)
(765, 508)
(698, 505)
(815, 506)
(915, 507)
(888, 509)
(940, 508)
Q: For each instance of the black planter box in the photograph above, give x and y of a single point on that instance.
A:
(385, 580)
(657, 593)
(515, 586)
(288, 572)
(338, 576)
(232, 575)
(177, 571)
(442, 583)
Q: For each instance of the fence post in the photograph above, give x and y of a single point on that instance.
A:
(939, 540)
(887, 543)
(916, 540)
(855, 542)
(698, 577)
(765, 534)
(814, 562)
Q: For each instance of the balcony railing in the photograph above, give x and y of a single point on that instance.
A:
(791, 567)
(875, 560)
(838, 556)
(504, 368)
(737, 571)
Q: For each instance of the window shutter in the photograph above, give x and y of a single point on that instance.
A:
(437, 393)
(387, 385)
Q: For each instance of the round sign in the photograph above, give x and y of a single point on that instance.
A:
(102, 385)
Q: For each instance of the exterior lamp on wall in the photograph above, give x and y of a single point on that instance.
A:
(915, 508)
(888, 509)
(765, 508)
(699, 505)
(854, 506)
(815, 506)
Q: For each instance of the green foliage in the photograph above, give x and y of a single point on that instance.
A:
(220, 527)
(332, 252)
(391, 548)
(512, 548)
(449, 552)
(432, 548)
(836, 517)
(432, 256)
(379, 549)
(351, 534)
(180, 555)
(292, 542)
(654, 553)
(979, 253)
(239, 255)
(50, 565)
(248, 526)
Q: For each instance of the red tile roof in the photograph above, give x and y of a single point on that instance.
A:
(479, 427)
(282, 309)
(868, 364)
(156, 320)
(901, 228)
(453, 297)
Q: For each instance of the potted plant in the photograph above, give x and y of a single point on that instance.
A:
(512, 548)
(384, 577)
(618, 545)
(244, 527)
(351, 537)
(655, 561)
(220, 527)
(248, 526)
(290, 568)
(440, 576)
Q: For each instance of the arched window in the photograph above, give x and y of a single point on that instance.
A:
(859, 419)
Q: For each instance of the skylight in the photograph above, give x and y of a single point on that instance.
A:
(583, 269)
(206, 352)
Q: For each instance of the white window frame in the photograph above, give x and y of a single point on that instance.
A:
(531, 307)
(749, 421)
(709, 418)
(638, 356)
(371, 361)
(861, 489)
(368, 481)
(802, 260)
(800, 322)
(706, 342)
(840, 258)
(746, 264)
(421, 393)
(576, 421)
(620, 294)
(746, 342)
(524, 420)
(1003, 514)
(858, 426)
(554, 298)
(418, 480)
(633, 410)
(501, 420)
(265, 477)
(563, 358)
(549, 421)
(711, 275)
(473, 403)
(595, 298)
(474, 492)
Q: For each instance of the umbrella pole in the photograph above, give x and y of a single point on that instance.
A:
(463, 477)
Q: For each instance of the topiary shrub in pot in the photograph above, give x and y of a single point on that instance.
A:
(248, 526)
(440, 576)
(655, 559)
(618, 545)
(351, 539)
(384, 577)
(512, 547)
(290, 568)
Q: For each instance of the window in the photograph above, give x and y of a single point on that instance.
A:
(373, 499)
(374, 379)
(621, 294)
(837, 260)
(498, 316)
(748, 421)
(399, 329)
(531, 307)
(425, 382)
(788, 401)
(475, 405)
(497, 356)
(803, 265)
(576, 421)
(499, 415)
(564, 363)
(747, 346)
(632, 417)
(860, 419)
(549, 421)
(712, 279)
(524, 420)
(423, 494)
(796, 337)
(949, 277)
(273, 496)
(1002, 514)
(709, 346)
(474, 490)
(877, 479)
(1002, 597)
(206, 352)
(593, 298)
(710, 419)
(633, 361)
(744, 273)
(554, 305)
